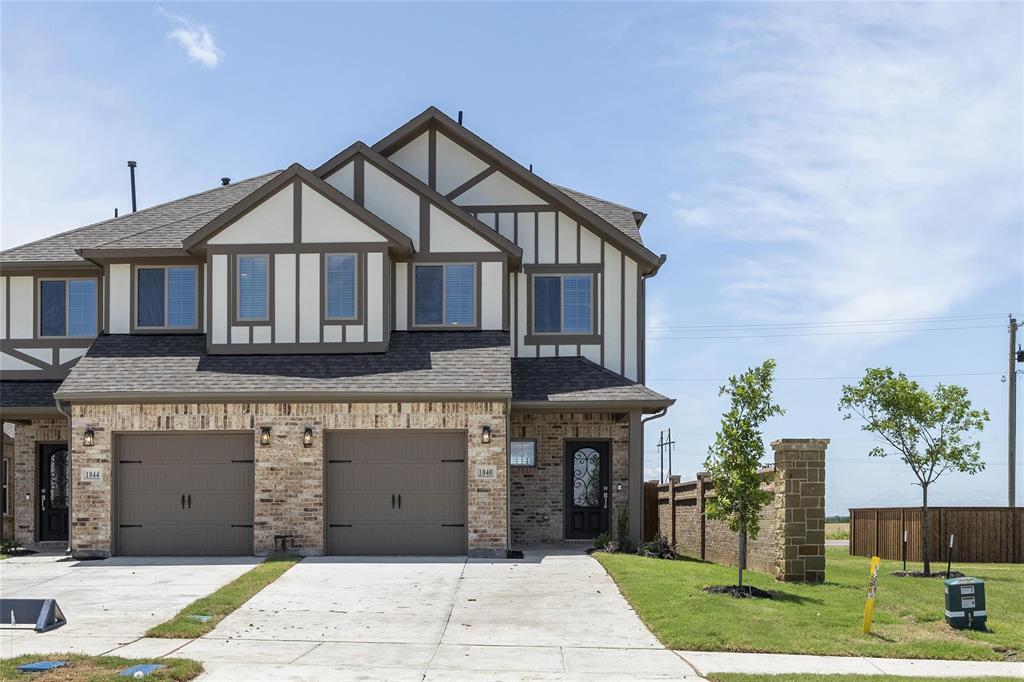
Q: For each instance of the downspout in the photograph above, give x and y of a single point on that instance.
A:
(71, 478)
(508, 479)
(643, 454)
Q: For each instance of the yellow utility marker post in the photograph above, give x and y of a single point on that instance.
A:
(869, 605)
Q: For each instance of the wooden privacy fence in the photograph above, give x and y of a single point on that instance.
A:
(981, 534)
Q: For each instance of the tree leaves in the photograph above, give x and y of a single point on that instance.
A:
(734, 459)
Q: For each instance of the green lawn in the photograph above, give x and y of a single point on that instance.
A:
(225, 600)
(96, 668)
(819, 619)
(738, 677)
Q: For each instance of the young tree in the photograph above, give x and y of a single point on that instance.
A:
(933, 433)
(734, 459)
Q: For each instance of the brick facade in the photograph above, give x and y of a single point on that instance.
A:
(25, 495)
(289, 477)
(791, 542)
(537, 493)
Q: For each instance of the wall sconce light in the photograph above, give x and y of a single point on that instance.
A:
(88, 438)
(485, 437)
(307, 437)
(264, 435)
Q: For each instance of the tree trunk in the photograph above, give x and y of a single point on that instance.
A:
(926, 531)
(743, 550)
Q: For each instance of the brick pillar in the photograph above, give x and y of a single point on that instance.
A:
(800, 509)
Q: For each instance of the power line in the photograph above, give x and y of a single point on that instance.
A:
(842, 333)
(841, 323)
(846, 378)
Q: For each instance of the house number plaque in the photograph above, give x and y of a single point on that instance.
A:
(91, 475)
(486, 472)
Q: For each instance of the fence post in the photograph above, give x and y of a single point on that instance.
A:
(672, 508)
(701, 490)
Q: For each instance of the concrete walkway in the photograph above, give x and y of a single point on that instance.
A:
(706, 662)
(107, 603)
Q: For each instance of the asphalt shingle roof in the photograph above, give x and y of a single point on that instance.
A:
(443, 362)
(27, 393)
(574, 379)
(161, 226)
(619, 216)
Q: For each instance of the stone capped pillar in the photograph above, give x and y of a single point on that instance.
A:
(800, 509)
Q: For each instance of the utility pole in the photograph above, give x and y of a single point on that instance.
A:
(661, 451)
(670, 443)
(1011, 453)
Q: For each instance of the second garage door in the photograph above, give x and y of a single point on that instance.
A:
(184, 494)
(396, 493)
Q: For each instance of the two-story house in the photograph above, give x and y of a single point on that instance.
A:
(420, 347)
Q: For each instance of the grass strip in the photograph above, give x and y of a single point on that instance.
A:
(806, 677)
(224, 601)
(97, 668)
(820, 619)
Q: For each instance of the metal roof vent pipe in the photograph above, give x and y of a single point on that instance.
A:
(131, 169)
(225, 182)
(460, 116)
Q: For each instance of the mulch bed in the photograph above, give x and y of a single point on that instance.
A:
(922, 574)
(739, 592)
(20, 551)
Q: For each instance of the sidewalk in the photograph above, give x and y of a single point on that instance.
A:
(705, 662)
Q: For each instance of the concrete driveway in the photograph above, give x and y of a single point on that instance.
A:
(551, 616)
(108, 603)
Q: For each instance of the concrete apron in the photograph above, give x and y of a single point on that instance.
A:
(545, 617)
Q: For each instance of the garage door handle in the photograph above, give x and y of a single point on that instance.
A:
(399, 500)
(183, 500)
(392, 500)
(190, 500)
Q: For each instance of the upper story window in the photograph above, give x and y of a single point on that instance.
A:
(167, 297)
(563, 304)
(445, 295)
(253, 288)
(341, 286)
(67, 307)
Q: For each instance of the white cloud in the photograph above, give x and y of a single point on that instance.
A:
(873, 155)
(196, 39)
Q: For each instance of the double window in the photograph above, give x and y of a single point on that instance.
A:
(167, 297)
(67, 307)
(340, 285)
(253, 288)
(445, 295)
(563, 304)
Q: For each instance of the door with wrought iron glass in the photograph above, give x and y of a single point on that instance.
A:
(53, 492)
(587, 501)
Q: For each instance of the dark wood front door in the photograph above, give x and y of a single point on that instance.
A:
(54, 490)
(587, 499)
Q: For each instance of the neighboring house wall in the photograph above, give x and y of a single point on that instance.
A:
(552, 242)
(289, 477)
(25, 353)
(537, 495)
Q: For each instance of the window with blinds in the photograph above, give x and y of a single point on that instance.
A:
(167, 297)
(563, 304)
(341, 286)
(445, 295)
(67, 307)
(253, 294)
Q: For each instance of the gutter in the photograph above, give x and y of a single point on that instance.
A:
(71, 478)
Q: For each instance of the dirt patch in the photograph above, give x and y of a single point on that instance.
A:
(739, 592)
(74, 671)
(922, 574)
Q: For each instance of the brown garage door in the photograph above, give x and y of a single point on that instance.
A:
(396, 493)
(184, 494)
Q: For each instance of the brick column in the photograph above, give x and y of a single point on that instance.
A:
(800, 509)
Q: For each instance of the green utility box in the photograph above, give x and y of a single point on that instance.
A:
(965, 603)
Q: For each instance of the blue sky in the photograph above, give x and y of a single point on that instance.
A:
(800, 163)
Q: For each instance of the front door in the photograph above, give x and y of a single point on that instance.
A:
(53, 492)
(586, 489)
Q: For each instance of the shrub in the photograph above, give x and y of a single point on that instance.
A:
(602, 541)
(623, 536)
(658, 548)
